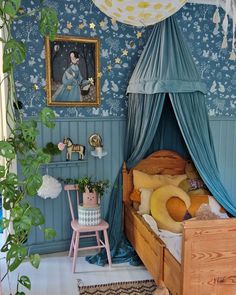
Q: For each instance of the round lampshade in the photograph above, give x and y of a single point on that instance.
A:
(139, 13)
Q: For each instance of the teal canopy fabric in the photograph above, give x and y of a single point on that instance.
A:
(165, 70)
(166, 64)
(192, 117)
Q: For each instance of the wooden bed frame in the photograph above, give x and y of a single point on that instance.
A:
(208, 247)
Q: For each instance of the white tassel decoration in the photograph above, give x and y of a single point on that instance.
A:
(232, 55)
(225, 42)
(50, 188)
(216, 16)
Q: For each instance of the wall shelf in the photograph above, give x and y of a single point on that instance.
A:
(65, 163)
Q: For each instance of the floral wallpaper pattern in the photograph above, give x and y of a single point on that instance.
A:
(121, 46)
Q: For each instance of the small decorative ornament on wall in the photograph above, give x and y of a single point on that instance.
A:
(72, 67)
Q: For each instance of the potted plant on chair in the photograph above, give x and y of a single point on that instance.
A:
(89, 214)
(92, 190)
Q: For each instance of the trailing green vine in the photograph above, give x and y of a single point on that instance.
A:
(21, 143)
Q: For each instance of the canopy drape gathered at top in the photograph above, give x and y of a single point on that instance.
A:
(165, 67)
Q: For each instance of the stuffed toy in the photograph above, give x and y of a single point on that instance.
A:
(193, 185)
(204, 212)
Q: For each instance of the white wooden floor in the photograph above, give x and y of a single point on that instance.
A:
(54, 276)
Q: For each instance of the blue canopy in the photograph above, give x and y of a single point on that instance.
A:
(166, 64)
(165, 69)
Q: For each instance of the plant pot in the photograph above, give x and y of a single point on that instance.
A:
(90, 199)
(89, 216)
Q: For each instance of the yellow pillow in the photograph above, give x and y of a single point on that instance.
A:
(143, 180)
(159, 211)
(177, 209)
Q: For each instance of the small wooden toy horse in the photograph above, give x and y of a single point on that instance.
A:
(73, 148)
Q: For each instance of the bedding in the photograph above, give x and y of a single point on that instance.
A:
(143, 180)
(173, 241)
(144, 207)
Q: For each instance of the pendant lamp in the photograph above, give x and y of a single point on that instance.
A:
(139, 13)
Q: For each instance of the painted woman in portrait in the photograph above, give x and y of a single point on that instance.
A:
(72, 80)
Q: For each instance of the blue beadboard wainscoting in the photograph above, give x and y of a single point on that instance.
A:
(56, 211)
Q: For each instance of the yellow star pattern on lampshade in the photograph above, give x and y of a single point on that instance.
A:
(99, 75)
(109, 67)
(139, 13)
(125, 52)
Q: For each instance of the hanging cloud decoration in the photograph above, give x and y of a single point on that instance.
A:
(139, 13)
(50, 188)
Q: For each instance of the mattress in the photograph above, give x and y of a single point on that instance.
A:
(172, 240)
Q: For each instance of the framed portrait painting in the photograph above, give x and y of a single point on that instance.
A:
(72, 71)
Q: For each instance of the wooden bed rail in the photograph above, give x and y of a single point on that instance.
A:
(209, 257)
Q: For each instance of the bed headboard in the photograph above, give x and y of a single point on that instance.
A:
(160, 162)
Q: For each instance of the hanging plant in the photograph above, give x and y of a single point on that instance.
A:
(21, 144)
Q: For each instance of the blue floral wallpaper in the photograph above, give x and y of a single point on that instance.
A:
(205, 39)
(121, 46)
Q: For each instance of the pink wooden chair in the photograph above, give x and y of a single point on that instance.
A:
(93, 231)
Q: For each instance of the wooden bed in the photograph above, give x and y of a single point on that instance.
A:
(208, 247)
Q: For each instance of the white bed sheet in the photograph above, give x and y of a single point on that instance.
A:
(172, 240)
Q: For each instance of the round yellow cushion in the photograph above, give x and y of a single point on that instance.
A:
(159, 211)
(177, 208)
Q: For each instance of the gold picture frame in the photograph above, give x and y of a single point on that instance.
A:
(72, 71)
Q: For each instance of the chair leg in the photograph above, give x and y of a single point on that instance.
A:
(107, 247)
(72, 244)
(76, 244)
(98, 240)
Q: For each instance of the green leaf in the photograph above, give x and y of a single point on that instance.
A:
(14, 53)
(36, 216)
(9, 190)
(11, 7)
(20, 293)
(4, 223)
(22, 226)
(17, 212)
(48, 23)
(7, 150)
(25, 281)
(33, 183)
(2, 171)
(10, 240)
(49, 233)
(47, 115)
(35, 260)
(29, 130)
(15, 256)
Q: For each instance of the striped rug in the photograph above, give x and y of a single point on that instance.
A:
(122, 288)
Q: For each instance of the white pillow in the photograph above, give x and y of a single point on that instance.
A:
(144, 207)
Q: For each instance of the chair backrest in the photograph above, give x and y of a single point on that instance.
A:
(69, 188)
